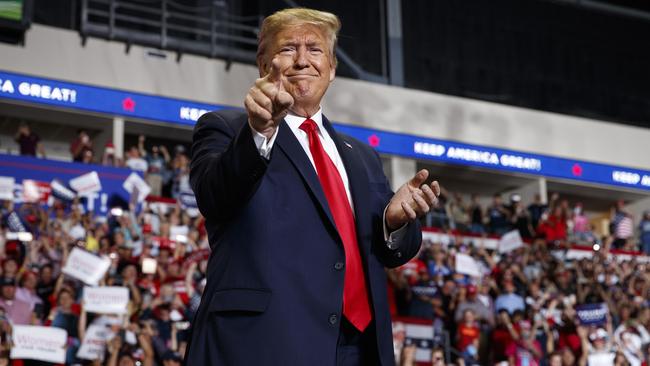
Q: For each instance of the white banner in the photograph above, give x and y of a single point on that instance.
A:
(94, 343)
(510, 241)
(31, 191)
(85, 266)
(39, 343)
(178, 233)
(86, 184)
(106, 300)
(421, 335)
(149, 265)
(7, 188)
(467, 265)
(446, 239)
(601, 359)
(134, 181)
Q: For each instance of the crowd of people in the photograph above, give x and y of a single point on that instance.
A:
(166, 174)
(534, 305)
(35, 291)
(557, 221)
(523, 310)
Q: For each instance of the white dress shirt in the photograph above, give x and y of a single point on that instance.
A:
(264, 146)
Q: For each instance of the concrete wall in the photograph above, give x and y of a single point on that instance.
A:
(58, 54)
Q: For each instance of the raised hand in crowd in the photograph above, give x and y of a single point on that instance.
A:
(114, 345)
(408, 355)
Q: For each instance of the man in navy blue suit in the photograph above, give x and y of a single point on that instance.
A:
(300, 218)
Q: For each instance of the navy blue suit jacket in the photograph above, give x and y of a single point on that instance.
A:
(274, 289)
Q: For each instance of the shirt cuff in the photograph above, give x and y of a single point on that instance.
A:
(263, 144)
(393, 239)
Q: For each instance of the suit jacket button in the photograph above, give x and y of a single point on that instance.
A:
(333, 319)
(338, 266)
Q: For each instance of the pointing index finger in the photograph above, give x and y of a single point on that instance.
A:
(274, 75)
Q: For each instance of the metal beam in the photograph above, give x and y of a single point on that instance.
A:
(395, 42)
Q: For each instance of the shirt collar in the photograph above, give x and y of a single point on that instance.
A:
(294, 121)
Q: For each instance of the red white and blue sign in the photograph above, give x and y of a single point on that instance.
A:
(143, 106)
(592, 314)
(49, 176)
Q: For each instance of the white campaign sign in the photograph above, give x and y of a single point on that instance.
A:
(446, 239)
(31, 191)
(94, 343)
(510, 241)
(135, 181)
(39, 343)
(467, 265)
(85, 266)
(421, 332)
(178, 233)
(106, 300)
(86, 184)
(7, 188)
(601, 359)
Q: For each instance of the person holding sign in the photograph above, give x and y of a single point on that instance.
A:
(301, 218)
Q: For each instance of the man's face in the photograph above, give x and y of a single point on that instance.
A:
(8, 292)
(509, 287)
(556, 360)
(438, 358)
(133, 152)
(303, 55)
(126, 361)
(30, 281)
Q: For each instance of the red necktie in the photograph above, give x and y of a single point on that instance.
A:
(356, 306)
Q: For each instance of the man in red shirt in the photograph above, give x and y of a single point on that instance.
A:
(468, 335)
(526, 350)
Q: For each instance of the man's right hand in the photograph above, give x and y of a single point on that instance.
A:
(267, 102)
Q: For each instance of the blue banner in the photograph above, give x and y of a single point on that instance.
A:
(498, 159)
(130, 104)
(41, 173)
(102, 100)
(592, 314)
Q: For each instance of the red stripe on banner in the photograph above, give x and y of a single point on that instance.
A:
(412, 320)
(171, 201)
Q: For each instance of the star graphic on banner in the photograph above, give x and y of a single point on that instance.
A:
(576, 170)
(128, 104)
(373, 140)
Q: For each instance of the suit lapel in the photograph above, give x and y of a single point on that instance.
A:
(358, 181)
(287, 141)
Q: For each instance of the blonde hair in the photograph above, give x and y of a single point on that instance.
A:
(280, 20)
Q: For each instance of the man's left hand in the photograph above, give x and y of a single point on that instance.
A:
(412, 200)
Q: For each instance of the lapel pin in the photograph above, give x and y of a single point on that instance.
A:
(347, 144)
